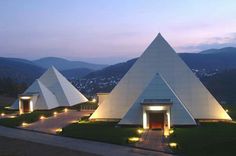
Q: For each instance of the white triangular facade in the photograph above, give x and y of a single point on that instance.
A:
(158, 89)
(52, 90)
(160, 58)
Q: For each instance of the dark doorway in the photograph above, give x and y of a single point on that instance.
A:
(156, 120)
(25, 105)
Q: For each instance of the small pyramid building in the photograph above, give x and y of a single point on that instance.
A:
(51, 90)
(159, 90)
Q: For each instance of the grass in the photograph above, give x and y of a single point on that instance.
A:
(8, 111)
(208, 139)
(100, 131)
(28, 118)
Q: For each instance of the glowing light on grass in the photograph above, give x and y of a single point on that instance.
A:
(226, 110)
(66, 110)
(2, 114)
(171, 131)
(166, 133)
(7, 107)
(24, 124)
(140, 131)
(133, 139)
(58, 130)
(54, 113)
(173, 145)
(42, 117)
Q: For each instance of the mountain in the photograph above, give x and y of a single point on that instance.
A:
(63, 64)
(76, 73)
(114, 70)
(222, 50)
(22, 70)
(196, 61)
(19, 69)
(212, 61)
(222, 85)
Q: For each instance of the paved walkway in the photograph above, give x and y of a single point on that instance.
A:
(16, 147)
(77, 144)
(51, 124)
(154, 140)
(2, 115)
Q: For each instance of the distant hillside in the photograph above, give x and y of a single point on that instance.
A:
(222, 85)
(22, 70)
(19, 69)
(212, 61)
(76, 73)
(63, 64)
(207, 63)
(222, 50)
(114, 70)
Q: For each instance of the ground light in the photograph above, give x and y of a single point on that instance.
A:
(173, 145)
(54, 113)
(2, 114)
(42, 117)
(12, 116)
(94, 100)
(7, 107)
(24, 124)
(133, 139)
(140, 131)
(171, 131)
(226, 110)
(66, 110)
(58, 130)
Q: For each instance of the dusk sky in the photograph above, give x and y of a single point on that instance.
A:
(107, 31)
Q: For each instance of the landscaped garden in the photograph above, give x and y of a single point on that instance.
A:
(216, 139)
(100, 131)
(18, 120)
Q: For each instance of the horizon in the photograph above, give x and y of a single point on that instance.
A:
(112, 32)
(106, 60)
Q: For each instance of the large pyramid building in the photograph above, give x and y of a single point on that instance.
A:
(51, 90)
(159, 90)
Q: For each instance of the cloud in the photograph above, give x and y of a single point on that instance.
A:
(229, 40)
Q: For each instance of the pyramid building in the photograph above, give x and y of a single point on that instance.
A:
(159, 90)
(51, 90)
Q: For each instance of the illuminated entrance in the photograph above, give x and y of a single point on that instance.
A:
(25, 105)
(156, 114)
(156, 120)
(26, 102)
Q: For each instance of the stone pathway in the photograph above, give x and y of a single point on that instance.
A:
(153, 140)
(2, 115)
(77, 144)
(51, 124)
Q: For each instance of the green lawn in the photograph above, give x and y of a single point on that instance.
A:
(7, 111)
(100, 131)
(208, 139)
(28, 118)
